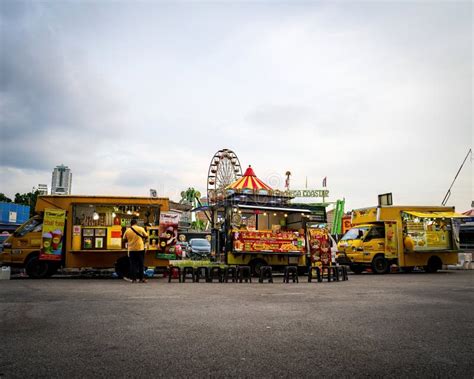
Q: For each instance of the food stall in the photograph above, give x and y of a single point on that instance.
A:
(258, 226)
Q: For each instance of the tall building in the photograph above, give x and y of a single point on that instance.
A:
(62, 180)
(42, 189)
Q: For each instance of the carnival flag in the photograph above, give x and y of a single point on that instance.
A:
(325, 181)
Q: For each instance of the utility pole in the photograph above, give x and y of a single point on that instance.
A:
(448, 194)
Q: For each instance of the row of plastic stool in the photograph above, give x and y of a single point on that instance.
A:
(334, 273)
(240, 274)
(235, 274)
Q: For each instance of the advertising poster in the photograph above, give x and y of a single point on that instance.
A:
(53, 234)
(391, 239)
(168, 236)
(319, 246)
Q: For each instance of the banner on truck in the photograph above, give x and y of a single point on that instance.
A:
(53, 234)
(168, 232)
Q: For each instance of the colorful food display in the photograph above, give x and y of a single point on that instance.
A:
(424, 234)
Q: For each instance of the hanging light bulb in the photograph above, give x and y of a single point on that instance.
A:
(95, 216)
(286, 215)
(274, 214)
(114, 214)
(264, 213)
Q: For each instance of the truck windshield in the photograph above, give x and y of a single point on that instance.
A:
(32, 225)
(355, 233)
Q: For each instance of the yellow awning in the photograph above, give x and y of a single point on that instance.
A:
(435, 214)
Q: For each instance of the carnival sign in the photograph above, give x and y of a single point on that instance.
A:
(309, 193)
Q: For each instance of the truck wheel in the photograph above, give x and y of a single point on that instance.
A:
(380, 265)
(357, 269)
(37, 269)
(256, 265)
(434, 264)
(53, 267)
(122, 267)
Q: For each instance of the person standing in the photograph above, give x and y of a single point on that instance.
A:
(136, 236)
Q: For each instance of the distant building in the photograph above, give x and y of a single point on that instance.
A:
(42, 189)
(62, 181)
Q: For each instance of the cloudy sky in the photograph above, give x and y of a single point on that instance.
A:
(140, 95)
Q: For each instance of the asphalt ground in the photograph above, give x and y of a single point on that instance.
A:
(396, 325)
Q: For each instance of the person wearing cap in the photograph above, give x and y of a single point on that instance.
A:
(136, 236)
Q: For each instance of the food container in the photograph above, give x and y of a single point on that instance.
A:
(5, 273)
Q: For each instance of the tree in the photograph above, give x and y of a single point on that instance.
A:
(4, 198)
(27, 199)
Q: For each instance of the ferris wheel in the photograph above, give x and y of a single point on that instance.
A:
(224, 170)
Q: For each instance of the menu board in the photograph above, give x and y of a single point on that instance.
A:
(94, 238)
(282, 242)
(153, 238)
(319, 246)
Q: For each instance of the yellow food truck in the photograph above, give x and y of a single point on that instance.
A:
(84, 232)
(266, 235)
(254, 225)
(407, 236)
(267, 230)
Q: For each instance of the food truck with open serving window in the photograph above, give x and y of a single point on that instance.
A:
(259, 233)
(257, 226)
(408, 236)
(86, 232)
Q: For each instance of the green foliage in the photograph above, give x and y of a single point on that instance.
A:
(27, 199)
(4, 198)
(188, 262)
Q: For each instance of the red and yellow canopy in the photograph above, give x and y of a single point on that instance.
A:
(249, 182)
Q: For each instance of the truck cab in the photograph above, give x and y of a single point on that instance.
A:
(360, 244)
(22, 249)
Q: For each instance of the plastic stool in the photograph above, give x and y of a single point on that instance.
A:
(244, 273)
(186, 271)
(331, 273)
(174, 273)
(199, 273)
(230, 272)
(266, 273)
(318, 274)
(342, 272)
(293, 271)
(215, 272)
